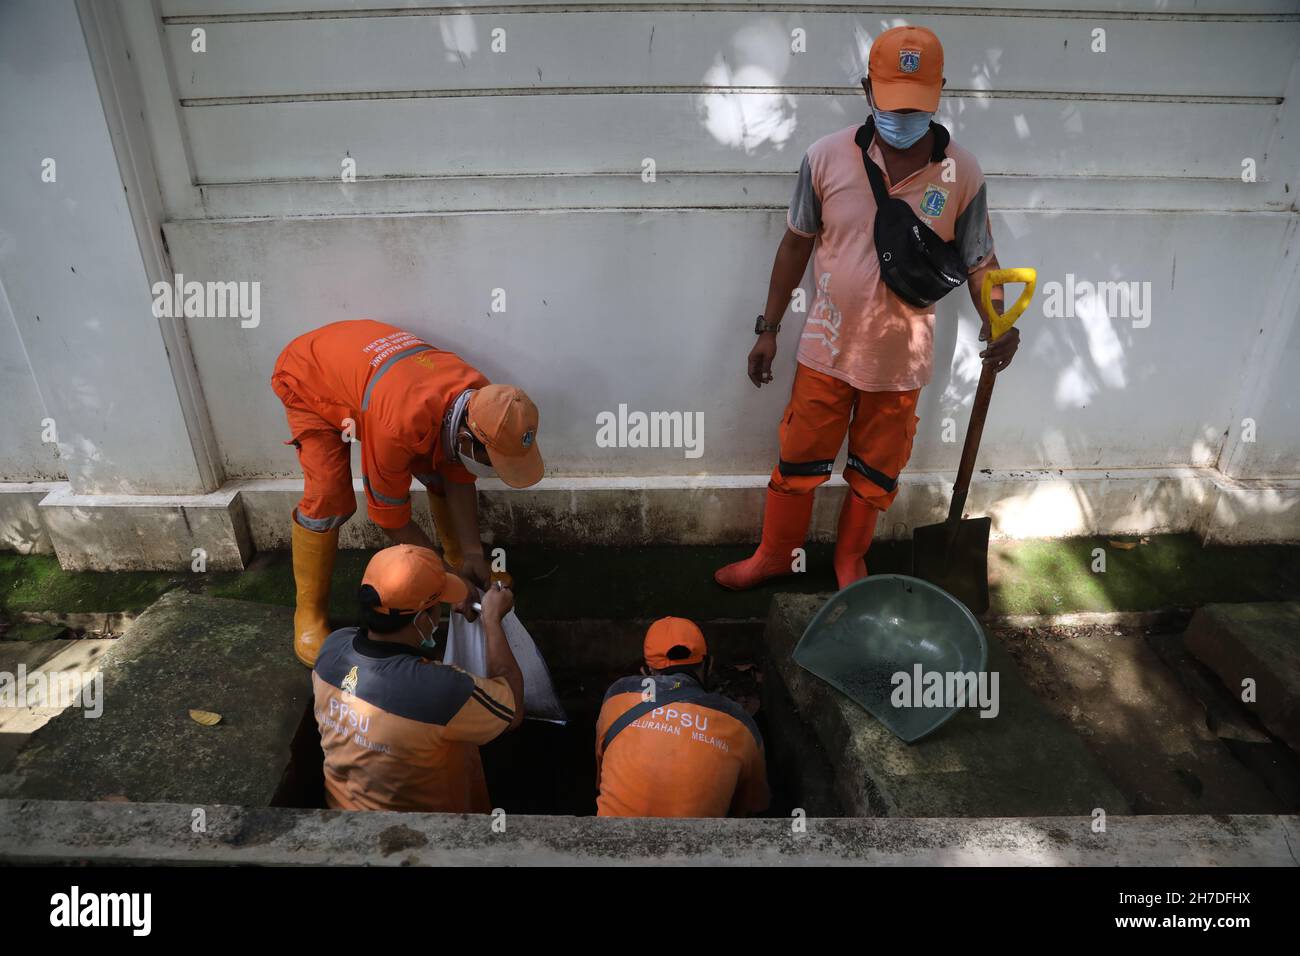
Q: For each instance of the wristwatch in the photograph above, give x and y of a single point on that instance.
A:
(761, 325)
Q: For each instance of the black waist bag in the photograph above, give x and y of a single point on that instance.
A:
(918, 266)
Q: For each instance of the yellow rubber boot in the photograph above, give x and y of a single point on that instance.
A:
(313, 566)
(451, 552)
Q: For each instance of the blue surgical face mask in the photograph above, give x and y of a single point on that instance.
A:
(900, 130)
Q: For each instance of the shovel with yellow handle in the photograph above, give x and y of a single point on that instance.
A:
(954, 554)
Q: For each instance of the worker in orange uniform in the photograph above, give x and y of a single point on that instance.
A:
(415, 410)
(399, 729)
(667, 747)
(864, 352)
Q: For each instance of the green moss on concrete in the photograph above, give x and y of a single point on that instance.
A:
(1053, 577)
(37, 583)
(32, 631)
(1027, 577)
(269, 580)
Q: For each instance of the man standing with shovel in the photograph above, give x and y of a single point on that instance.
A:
(866, 349)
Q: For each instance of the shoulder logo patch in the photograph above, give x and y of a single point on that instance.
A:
(933, 201)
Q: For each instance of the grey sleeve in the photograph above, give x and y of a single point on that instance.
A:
(805, 215)
(974, 237)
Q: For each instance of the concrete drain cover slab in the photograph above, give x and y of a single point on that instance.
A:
(72, 664)
(1134, 713)
(1259, 643)
(185, 652)
(1021, 763)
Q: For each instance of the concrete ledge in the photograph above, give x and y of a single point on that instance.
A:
(123, 532)
(1251, 511)
(105, 833)
(147, 532)
(269, 502)
(727, 509)
(21, 526)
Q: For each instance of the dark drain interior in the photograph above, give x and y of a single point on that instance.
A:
(546, 769)
(543, 769)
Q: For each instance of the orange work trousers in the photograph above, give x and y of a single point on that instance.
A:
(326, 459)
(328, 499)
(881, 427)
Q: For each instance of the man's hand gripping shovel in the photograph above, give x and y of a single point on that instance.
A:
(954, 553)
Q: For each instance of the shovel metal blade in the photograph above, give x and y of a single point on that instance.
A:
(955, 556)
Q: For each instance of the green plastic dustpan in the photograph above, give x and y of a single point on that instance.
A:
(885, 625)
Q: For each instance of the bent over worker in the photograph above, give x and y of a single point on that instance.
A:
(415, 410)
(400, 730)
(864, 353)
(667, 747)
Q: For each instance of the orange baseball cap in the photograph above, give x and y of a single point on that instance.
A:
(504, 419)
(672, 642)
(410, 579)
(906, 70)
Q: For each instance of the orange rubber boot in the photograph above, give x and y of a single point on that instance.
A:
(313, 566)
(853, 538)
(785, 525)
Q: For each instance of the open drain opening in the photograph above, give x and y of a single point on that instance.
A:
(1063, 744)
(547, 769)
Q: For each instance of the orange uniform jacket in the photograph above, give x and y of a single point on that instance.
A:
(701, 757)
(401, 731)
(394, 387)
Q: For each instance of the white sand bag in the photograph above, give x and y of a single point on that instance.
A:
(467, 649)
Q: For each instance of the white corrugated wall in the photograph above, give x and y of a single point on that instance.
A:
(520, 170)
(499, 153)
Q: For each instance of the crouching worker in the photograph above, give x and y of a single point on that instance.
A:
(666, 747)
(414, 410)
(400, 730)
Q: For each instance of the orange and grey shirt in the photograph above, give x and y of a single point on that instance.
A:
(396, 389)
(686, 753)
(857, 329)
(400, 730)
